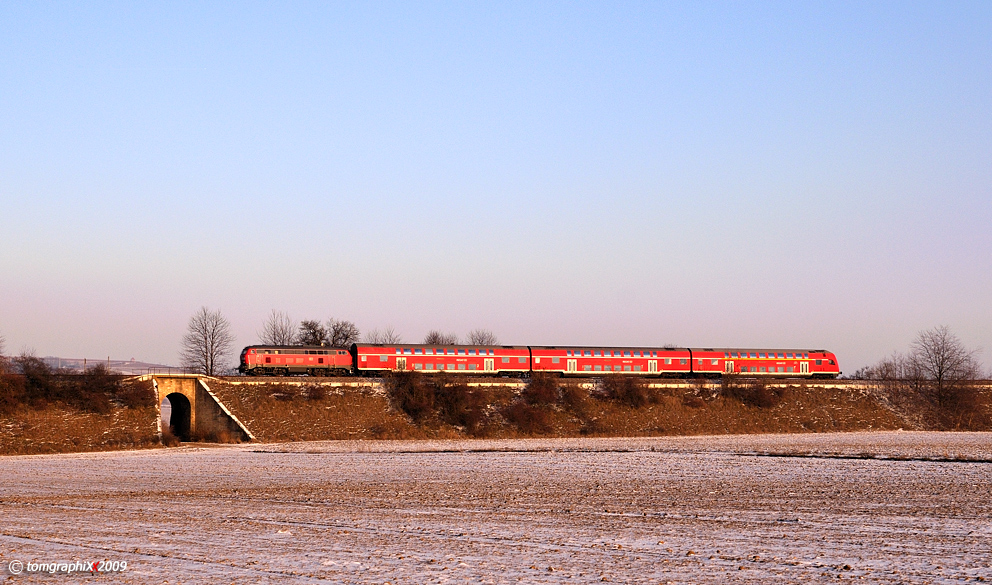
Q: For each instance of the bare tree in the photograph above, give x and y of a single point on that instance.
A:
(279, 329)
(436, 337)
(482, 337)
(341, 333)
(3, 346)
(940, 357)
(387, 335)
(312, 333)
(207, 342)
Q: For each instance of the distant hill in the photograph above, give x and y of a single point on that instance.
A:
(131, 367)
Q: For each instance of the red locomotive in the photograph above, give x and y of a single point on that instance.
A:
(521, 361)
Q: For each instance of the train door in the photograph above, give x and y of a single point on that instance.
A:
(728, 367)
(572, 366)
(652, 366)
(803, 367)
(489, 364)
(400, 364)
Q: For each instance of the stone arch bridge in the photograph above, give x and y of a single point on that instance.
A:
(196, 411)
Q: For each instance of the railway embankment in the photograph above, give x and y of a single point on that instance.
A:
(419, 407)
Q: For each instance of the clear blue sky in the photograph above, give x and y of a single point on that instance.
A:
(708, 174)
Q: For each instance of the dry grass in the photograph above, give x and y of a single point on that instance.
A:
(280, 412)
(61, 429)
(277, 412)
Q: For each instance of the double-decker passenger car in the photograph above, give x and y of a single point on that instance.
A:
(503, 360)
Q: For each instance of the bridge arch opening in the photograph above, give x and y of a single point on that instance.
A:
(180, 415)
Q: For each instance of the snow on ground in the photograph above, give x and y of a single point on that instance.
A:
(878, 507)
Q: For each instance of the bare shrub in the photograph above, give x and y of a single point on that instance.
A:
(575, 398)
(169, 438)
(541, 390)
(93, 389)
(409, 393)
(136, 394)
(12, 393)
(458, 404)
(40, 386)
(631, 391)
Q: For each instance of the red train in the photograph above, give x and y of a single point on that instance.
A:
(522, 360)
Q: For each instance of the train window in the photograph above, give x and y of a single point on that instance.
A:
(418, 351)
(637, 368)
(654, 354)
(683, 361)
(383, 358)
(556, 360)
(668, 361)
(805, 355)
(781, 355)
(788, 355)
(781, 369)
(471, 352)
(471, 366)
(832, 363)
(789, 369)
(587, 368)
(819, 362)
(407, 351)
(626, 368)
(597, 353)
(714, 362)
(761, 355)
(399, 351)
(451, 366)
(506, 360)
(418, 366)
(726, 354)
(599, 368)
(754, 354)
(522, 360)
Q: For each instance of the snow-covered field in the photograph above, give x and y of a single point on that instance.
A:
(893, 507)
